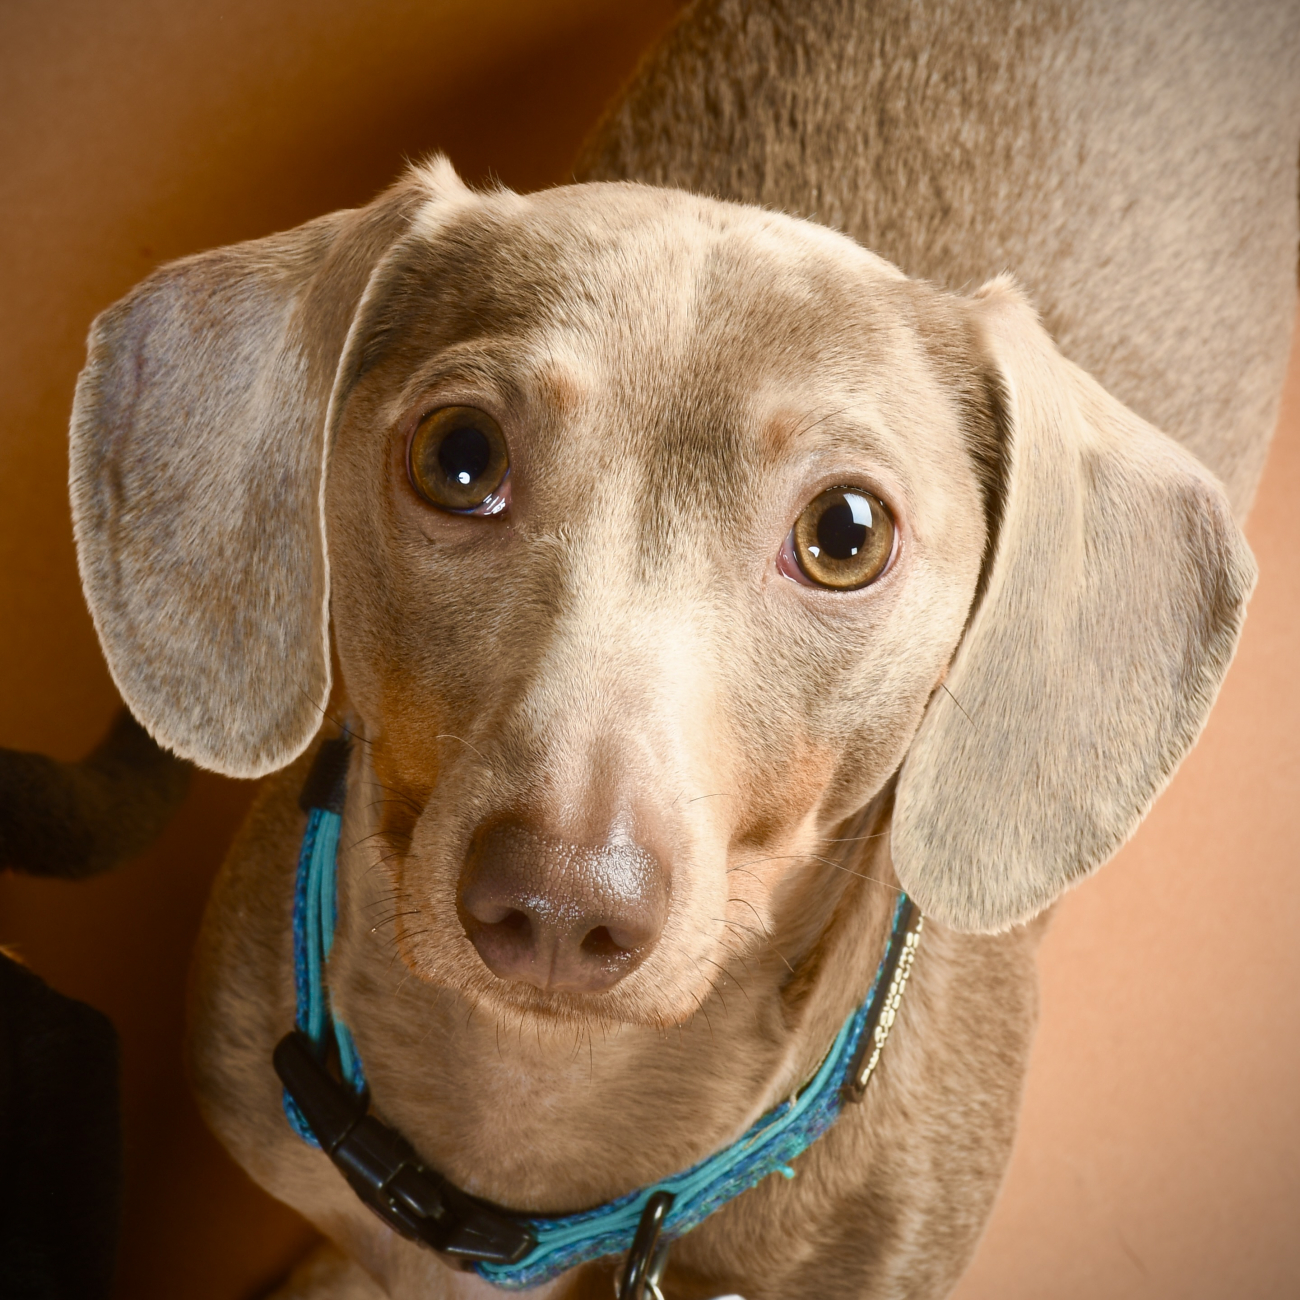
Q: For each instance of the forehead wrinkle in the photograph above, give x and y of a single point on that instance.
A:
(493, 268)
(632, 278)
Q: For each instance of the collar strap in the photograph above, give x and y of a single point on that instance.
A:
(385, 1172)
(511, 1249)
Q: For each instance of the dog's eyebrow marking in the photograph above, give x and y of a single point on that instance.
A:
(559, 387)
(856, 436)
(785, 428)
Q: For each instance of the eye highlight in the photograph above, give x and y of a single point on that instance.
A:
(458, 461)
(843, 538)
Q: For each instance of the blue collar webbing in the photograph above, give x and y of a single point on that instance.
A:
(565, 1241)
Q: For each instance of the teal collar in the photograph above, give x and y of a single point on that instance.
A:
(511, 1249)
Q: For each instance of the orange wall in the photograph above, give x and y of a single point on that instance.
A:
(136, 131)
(1160, 1152)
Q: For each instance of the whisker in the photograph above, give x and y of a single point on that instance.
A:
(796, 857)
(446, 735)
(388, 920)
(396, 791)
(714, 987)
(740, 957)
(712, 1040)
(957, 702)
(742, 926)
(734, 980)
(378, 835)
(699, 1006)
(323, 710)
(395, 797)
(884, 884)
(414, 934)
(757, 915)
(830, 415)
(771, 857)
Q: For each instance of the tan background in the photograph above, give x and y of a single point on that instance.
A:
(1159, 1155)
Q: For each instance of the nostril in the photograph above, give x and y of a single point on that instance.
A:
(507, 924)
(560, 916)
(513, 922)
(600, 943)
(508, 942)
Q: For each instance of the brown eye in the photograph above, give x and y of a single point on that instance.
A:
(458, 460)
(844, 538)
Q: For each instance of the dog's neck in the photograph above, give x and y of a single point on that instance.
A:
(553, 1118)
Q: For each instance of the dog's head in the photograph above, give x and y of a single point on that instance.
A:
(650, 537)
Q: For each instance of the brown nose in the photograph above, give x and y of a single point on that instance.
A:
(557, 915)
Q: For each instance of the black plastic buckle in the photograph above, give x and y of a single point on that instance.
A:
(647, 1259)
(386, 1173)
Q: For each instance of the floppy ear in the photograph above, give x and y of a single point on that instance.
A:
(197, 461)
(1111, 610)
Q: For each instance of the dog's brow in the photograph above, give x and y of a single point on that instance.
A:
(559, 387)
(494, 363)
(798, 432)
(789, 427)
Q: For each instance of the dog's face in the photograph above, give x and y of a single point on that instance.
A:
(615, 705)
(645, 530)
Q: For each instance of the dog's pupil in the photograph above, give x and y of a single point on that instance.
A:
(464, 454)
(843, 527)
